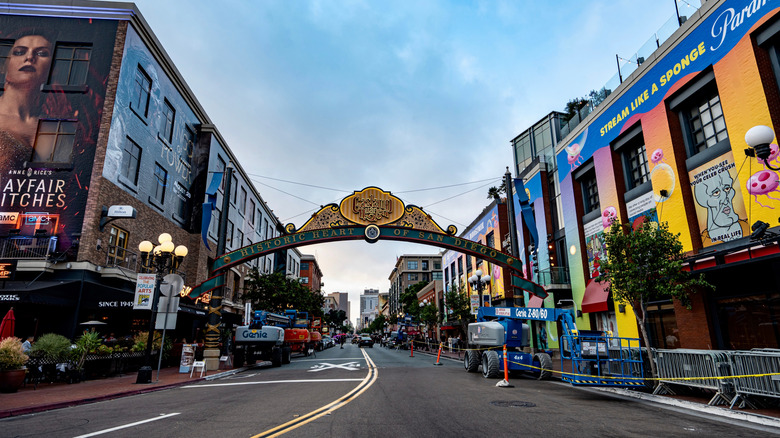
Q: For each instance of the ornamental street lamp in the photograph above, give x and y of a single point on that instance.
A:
(164, 259)
(759, 138)
(478, 282)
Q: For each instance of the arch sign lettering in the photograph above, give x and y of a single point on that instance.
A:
(370, 214)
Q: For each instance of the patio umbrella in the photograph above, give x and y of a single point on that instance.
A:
(7, 326)
(93, 322)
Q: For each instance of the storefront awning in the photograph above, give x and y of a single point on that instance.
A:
(535, 301)
(596, 296)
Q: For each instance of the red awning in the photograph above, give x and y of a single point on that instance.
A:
(535, 301)
(596, 296)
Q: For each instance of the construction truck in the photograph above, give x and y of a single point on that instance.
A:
(296, 334)
(263, 338)
(595, 358)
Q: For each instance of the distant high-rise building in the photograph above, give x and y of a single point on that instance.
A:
(411, 269)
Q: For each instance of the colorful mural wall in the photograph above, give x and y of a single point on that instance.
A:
(720, 187)
(54, 74)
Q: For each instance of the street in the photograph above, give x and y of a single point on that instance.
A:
(355, 392)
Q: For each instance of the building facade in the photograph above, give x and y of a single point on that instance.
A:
(411, 269)
(369, 305)
(311, 275)
(117, 125)
(668, 145)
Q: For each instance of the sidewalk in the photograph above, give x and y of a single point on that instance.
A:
(695, 401)
(49, 396)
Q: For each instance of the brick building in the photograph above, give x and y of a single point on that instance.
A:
(117, 126)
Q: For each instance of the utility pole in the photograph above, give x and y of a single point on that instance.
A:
(510, 201)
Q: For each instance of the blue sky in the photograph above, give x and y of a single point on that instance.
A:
(402, 95)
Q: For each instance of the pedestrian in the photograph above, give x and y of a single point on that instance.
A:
(342, 340)
(27, 344)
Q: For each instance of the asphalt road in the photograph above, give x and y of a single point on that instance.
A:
(370, 392)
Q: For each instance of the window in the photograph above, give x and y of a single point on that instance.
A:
(233, 190)
(490, 241)
(189, 142)
(706, 125)
(252, 212)
(117, 246)
(70, 64)
(412, 264)
(141, 92)
(304, 266)
(436, 275)
(460, 265)
(5, 50)
(590, 192)
(412, 276)
(524, 151)
(267, 229)
(229, 232)
(469, 268)
(54, 142)
(161, 180)
(181, 201)
(242, 201)
(239, 238)
(636, 164)
(701, 115)
(437, 265)
(425, 265)
(214, 224)
(166, 123)
(131, 158)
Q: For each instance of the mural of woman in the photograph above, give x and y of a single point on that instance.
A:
(26, 69)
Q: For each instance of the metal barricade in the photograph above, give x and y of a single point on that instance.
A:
(752, 364)
(602, 361)
(706, 368)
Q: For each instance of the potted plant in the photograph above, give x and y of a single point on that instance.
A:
(12, 360)
(85, 344)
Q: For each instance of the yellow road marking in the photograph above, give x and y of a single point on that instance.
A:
(371, 377)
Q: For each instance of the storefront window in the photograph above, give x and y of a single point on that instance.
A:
(750, 322)
(662, 326)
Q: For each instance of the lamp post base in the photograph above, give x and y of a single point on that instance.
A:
(211, 356)
(144, 375)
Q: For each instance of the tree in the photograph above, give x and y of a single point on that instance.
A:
(459, 304)
(277, 293)
(495, 192)
(644, 265)
(378, 324)
(335, 318)
(408, 299)
(573, 107)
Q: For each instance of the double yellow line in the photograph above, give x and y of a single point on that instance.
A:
(371, 377)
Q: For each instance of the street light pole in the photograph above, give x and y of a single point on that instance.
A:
(163, 258)
(478, 282)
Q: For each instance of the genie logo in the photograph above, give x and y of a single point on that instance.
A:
(254, 334)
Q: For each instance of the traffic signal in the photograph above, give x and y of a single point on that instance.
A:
(534, 257)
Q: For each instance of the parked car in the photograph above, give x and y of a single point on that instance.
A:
(366, 341)
(327, 341)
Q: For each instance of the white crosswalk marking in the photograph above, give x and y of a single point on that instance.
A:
(349, 366)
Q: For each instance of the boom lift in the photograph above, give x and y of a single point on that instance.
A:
(595, 358)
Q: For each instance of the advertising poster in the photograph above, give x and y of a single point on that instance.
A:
(594, 242)
(187, 357)
(474, 303)
(54, 74)
(144, 291)
(485, 230)
(641, 210)
(719, 205)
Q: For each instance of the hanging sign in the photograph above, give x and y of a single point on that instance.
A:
(144, 291)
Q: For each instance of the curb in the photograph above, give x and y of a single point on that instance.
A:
(65, 404)
(748, 417)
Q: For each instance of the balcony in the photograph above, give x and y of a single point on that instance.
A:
(554, 278)
(27, 247)
(118, 257)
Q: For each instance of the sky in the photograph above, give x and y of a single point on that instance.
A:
(321, 98)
